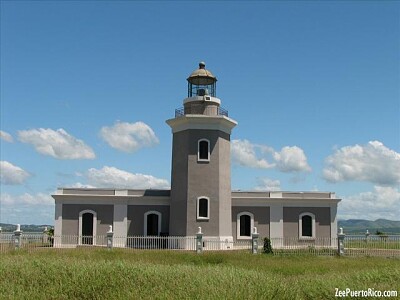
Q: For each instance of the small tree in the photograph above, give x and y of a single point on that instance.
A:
(382, 235)
(267, 246)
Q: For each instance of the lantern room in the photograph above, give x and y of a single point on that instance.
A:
(202, 82)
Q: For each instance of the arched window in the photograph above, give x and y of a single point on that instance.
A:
(203, 150)
(203, 208)
(307, 225)
(245, 223)
(87, 227)
(152, 223)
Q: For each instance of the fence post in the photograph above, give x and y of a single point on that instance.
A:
(199, 241)
(254, 240)
(45, 238)
(367, 236)
(110, 235)
(341, 237)
(17, 237)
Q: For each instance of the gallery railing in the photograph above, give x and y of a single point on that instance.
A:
(219, 111)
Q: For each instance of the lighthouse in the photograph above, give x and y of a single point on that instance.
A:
(200, 174)
(200, 194)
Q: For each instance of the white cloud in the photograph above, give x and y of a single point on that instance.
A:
(58, 144)
(116, 178)
(80, 186)
(26, 199)
(266, 184)
(244, 153)
(27, 208)
(12, 175)
(382, 202)
(129, 137)
(289, 159)
(372, 162)
(6, 136)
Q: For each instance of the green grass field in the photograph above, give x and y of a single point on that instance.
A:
(124, 274)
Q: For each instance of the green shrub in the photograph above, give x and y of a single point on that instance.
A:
(267, 246)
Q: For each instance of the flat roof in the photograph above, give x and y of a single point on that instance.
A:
(167, 192)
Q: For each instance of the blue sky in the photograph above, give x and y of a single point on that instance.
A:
(86, 88)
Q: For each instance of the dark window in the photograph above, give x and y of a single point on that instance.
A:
(203, 150)
(87, 228)
(306, 226)
(203, 208)
(152, 224)
(245, 225)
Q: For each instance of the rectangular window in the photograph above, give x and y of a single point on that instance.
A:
(245, 222)
(244, 225)
(152, 224)
(203, 150)
(307, 226)
(203, 208)
(306, 223)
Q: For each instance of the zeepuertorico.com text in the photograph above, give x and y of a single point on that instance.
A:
(364, 293)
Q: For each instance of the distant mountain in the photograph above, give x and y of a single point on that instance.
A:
(361, 226)
(25, 228)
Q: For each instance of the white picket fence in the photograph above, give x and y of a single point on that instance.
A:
(294, 245)
(40, 240)
(372, 245)
(157, 242)
(354, 245)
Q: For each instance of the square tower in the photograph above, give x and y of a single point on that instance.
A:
(200, 179)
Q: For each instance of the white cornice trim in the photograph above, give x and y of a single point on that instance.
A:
(206, 98)
(186, 122)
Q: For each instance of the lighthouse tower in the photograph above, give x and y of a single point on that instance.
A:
(201, 179)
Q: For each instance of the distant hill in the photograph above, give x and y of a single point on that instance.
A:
(25, 228)
(361, 226)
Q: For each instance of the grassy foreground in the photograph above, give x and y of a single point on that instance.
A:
(122, 274)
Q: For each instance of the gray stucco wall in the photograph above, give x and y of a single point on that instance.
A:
(192, 179)
(291, 221)
(179, 183)
(136, 218)
(203, 181)
(70, 212)
(261, 219)
(225, 203)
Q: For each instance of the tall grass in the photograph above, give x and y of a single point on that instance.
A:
(121, 274)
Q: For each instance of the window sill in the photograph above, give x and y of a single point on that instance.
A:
(203, 160)
(243, 238)
(203, 219)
